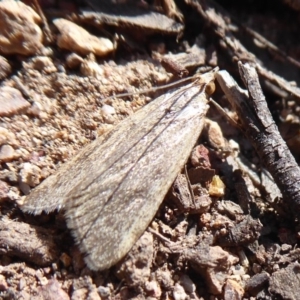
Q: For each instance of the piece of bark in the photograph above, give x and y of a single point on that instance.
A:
(171, 65)
(220, 22)
(190, 59)
(193, 201)
(32, 243)
(242, 234)
(129, 17)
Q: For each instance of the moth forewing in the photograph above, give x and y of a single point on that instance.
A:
(112, 189)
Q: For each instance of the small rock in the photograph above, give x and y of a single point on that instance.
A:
(188, 285)
(19, 32)
(108, 114)
(52, 291)
(3, 283)
(73, 60)
(179, 293)
(66, 260)
(256, 283)
(76, 39)
(24, 188)
(233, 290)
(91, 68)
(24, 295)
(7, 153)
(104, 292)
(108, 109)
(5, 68)
(164, 278)
(214, 134)
(213, 263)
(36, 109)
(13, 194)
(83, 288)
(286, 247)
(230, 208)
(11, 101)
(77, 259)
(4, 189)
(6, 136)
(30, 174)
(256, 268)
(153, 289)
(285, 282)
(44, 63)
(200, 157)
(216, 187)
(135, 269)
(41, 278)
(22, 283)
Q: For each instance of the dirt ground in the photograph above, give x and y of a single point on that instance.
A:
(224, 230)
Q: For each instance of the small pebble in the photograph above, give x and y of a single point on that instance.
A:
(40, 276)
(153, 289)
(286, 247)
(65, 259)
(11, 101)
(179, 292)
(4, 189)
(73, 60)
(187, 284)
(3, 283)
(5, 68)
(91, 68)
(30, 174)
(44, 63)
(7, 153)
(256, 268)
(233, 290)
(256, 283)
(104, 292)
(35, 109)
(76, 39)
(216, 187)
(22, 283)
(108, 110)
(6, 136)
(108, 114)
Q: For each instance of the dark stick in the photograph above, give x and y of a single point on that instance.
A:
(260, 128)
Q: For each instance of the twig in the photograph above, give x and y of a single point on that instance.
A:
(47, 31)
(260, 128)
(21, 87)
(189, 185)
(214, 15)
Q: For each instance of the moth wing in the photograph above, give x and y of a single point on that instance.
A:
(135, 185)
(112, 189)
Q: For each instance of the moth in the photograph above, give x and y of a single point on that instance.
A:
(111, 190)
